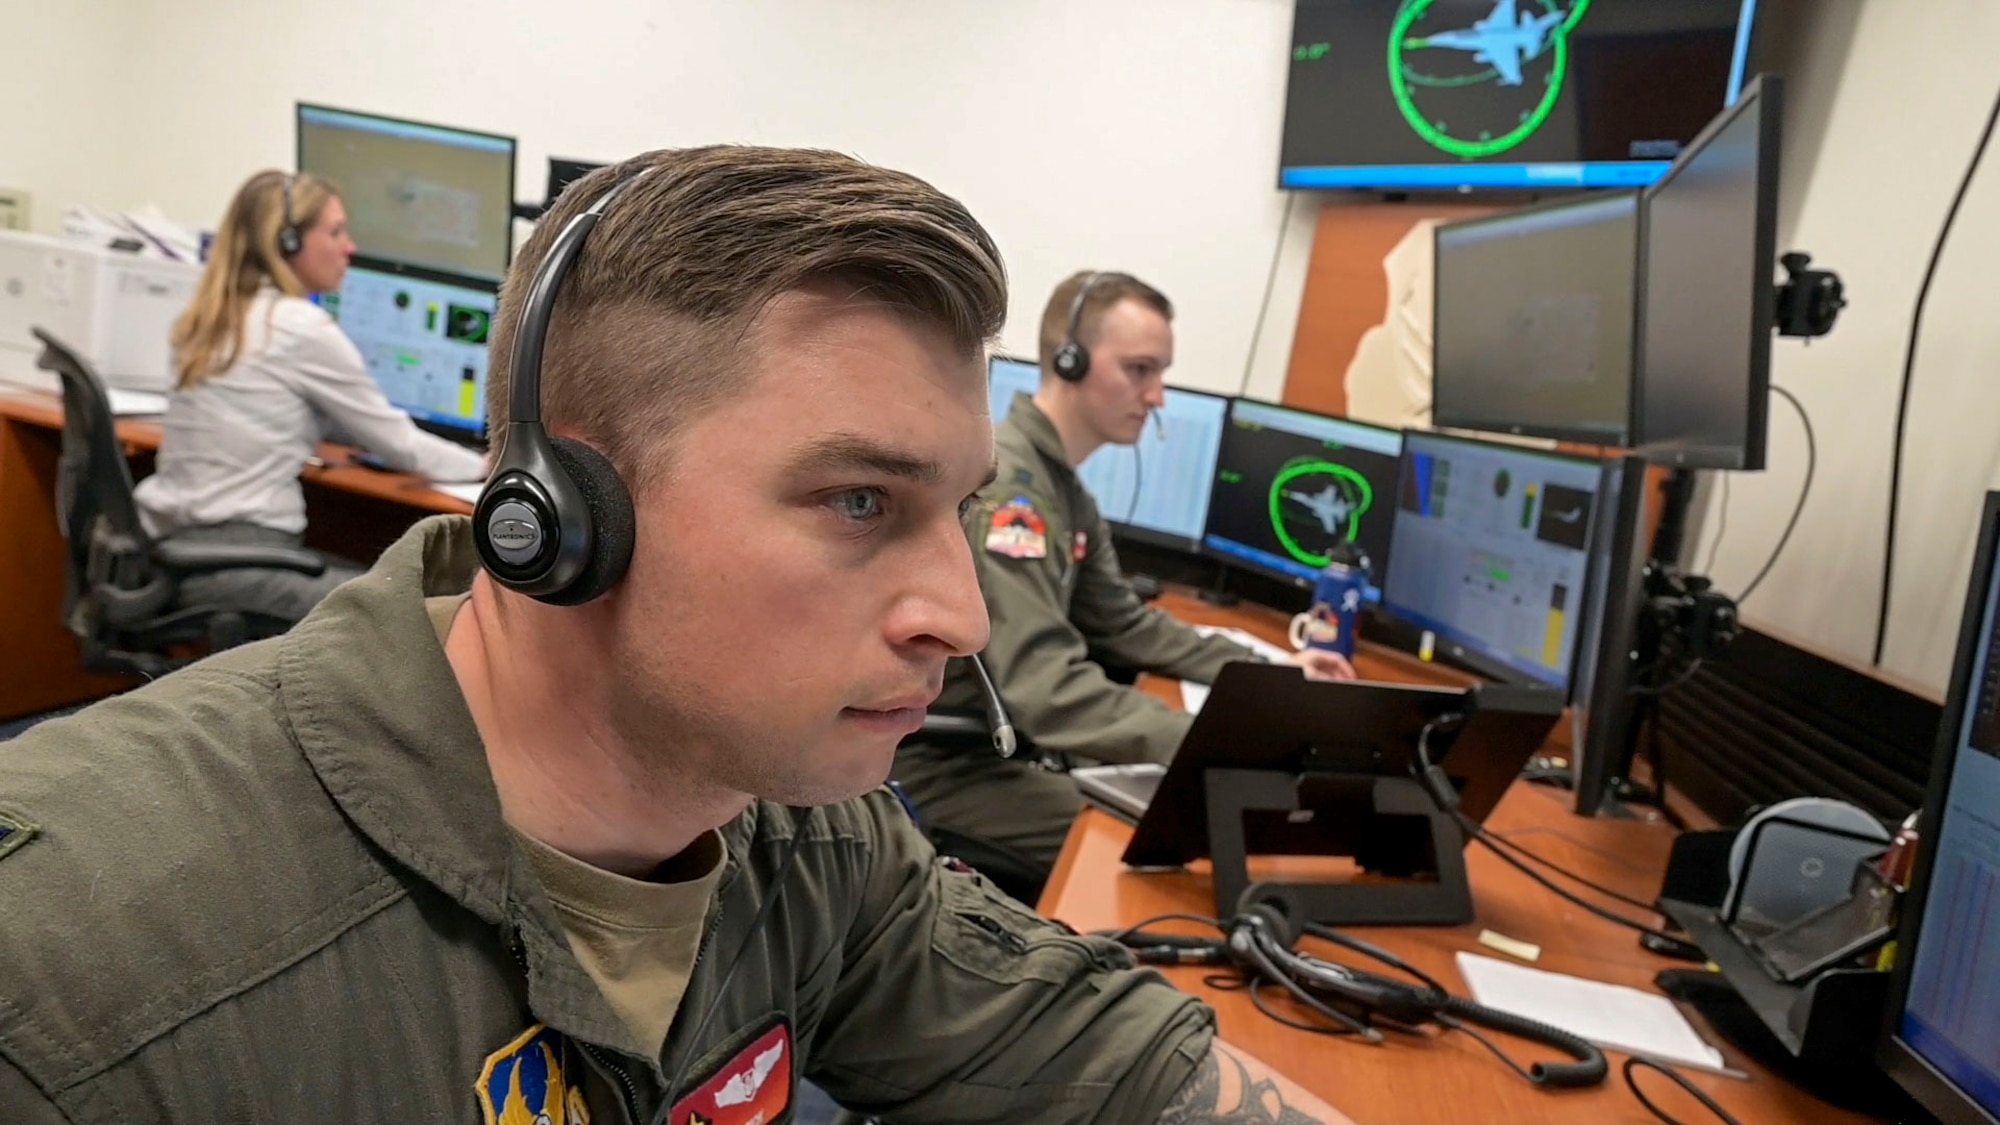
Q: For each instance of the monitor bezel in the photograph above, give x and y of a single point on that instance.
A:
(1153, 537)
(1764, 95)
(513, 154)
(1488, 666)
(1899, 1060)
(1499, 178)
(1445, 418)
(1237, 562)
(476, 436)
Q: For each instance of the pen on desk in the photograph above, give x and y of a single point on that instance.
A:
(316, 463)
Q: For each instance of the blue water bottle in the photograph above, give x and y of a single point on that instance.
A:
(1334, 621)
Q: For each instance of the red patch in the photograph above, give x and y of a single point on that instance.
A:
(1018, 531)
(1081, 547)
(753, 1088)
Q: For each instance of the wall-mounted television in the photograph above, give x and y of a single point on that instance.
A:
(1401, 95)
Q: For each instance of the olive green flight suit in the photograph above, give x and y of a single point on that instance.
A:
(1058, 602)
(276, 886)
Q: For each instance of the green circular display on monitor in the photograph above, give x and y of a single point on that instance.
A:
(1406, 82)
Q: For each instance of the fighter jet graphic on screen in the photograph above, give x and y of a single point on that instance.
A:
(1504, 40)
(1327, 505)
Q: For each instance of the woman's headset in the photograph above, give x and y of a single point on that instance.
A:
(555, 520)
(290, 239)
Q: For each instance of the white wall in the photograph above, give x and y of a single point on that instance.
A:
(63, 128)
(1883, 117)
(1130, 134)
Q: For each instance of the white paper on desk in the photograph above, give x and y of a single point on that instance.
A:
(466, 492)
(1258, 645)
(1193, 695)
(1609, 1015)
(125, 404)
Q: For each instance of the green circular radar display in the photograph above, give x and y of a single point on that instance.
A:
(1330, 514)
(1505, 41)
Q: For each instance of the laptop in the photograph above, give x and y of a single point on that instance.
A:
(1122, 791)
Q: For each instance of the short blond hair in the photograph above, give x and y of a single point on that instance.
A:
(650, 327)
(1106, 291)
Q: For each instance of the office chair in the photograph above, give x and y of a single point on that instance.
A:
(121, 589)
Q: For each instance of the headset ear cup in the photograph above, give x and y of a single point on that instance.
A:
(1072, 361)
(1276, 905)
(613, 529)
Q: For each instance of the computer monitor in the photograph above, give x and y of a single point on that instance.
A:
(1007, 377)
(1603, 714)
(1942, 1043)
(1157, 490)
(1707, 259)
(424, 338)
(1532, 320)
(563, 173)
(1291, 484)
(1490, 551)
(422, 195)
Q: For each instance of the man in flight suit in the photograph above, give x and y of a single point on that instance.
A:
(450, 852)
(1056, 595)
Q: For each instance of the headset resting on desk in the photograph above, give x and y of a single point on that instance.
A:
(555, 520)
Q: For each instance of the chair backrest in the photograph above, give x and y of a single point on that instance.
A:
(92, 480)
(111, 582)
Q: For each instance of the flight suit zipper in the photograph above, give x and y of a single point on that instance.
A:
(629, 1092)
(700, 952)
(1013, 942)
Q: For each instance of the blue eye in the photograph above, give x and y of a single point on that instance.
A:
(857, 504)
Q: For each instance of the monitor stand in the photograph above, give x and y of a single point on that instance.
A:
(1405, 837)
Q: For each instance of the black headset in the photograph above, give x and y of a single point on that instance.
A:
(554, 521)
(1072, 359)
(290, 239)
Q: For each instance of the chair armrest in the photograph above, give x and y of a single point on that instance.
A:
(198, 558)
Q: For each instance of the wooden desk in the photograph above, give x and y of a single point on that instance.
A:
(352, 512)
(1446, 1079)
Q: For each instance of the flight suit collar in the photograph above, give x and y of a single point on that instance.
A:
(380, 718)
(1041, 433)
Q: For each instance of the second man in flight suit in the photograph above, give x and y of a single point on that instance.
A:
(1055, 593)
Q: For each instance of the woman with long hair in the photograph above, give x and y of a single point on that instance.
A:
(264, 376)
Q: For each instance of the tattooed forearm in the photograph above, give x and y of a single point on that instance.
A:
(1229, 1088)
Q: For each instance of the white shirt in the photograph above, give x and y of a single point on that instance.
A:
(233, 446)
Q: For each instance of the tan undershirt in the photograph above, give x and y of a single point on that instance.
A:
(637, 938)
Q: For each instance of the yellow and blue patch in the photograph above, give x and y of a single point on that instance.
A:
(13, 833)
(524, 1083)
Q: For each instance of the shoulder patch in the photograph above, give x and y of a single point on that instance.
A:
(1018, 531)
(754, 1086)
(14, 833)
(525, 1081)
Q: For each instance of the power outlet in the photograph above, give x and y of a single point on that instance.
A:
(13, 209)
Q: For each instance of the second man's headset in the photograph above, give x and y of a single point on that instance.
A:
(1072, 359)
(555, 519)
(290, 239)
